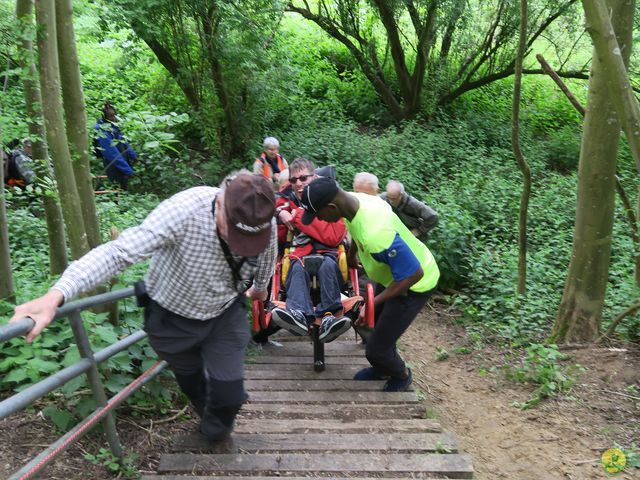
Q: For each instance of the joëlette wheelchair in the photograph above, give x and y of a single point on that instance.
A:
(352, 301)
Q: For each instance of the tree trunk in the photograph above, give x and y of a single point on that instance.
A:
(7, 290)
(515, 143)
(373, 74)
(614, 54)
(170, 64)
(235, 147)
(76, 117)
(33, 100)
(580, 311)
(629, 210)
(54, 124)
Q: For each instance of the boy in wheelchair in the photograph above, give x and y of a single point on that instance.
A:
(313, 266)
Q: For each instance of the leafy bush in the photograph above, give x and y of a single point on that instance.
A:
(563, 149)
(541, 367)
(23, 364)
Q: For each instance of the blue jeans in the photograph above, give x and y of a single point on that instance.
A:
(298, 286)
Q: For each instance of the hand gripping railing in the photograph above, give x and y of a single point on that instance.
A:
(87, 364)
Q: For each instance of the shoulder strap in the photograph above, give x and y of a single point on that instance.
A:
(234, 265)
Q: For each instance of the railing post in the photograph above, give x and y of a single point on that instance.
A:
(318, 349)
(82, 340)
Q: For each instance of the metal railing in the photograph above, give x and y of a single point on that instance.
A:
(87, 364)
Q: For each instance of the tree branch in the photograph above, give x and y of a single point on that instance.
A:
(374, 75)
(507, 72)
(166, 59)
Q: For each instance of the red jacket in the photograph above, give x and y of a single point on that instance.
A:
(329, 234)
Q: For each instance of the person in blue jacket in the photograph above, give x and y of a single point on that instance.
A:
(117, 155)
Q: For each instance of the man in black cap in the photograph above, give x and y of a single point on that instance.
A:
(209, 247)
(401, 265)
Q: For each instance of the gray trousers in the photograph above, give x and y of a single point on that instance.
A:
(207, 358)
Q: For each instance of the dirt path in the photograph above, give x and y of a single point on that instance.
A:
(558, 439)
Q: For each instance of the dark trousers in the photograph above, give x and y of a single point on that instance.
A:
(393, 317)
(116, 175)
(207, 358)
(298, 286)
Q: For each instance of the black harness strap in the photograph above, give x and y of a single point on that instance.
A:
(234, 265)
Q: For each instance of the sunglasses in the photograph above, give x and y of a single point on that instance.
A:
(302, 178)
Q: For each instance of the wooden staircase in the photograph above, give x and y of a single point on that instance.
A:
(300, 424)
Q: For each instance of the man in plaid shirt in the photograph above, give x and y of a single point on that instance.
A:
(209, 247)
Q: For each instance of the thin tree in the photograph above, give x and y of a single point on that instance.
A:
(33, 100)
(626, 203)
(55, 130)
(614, 56)
(7, 290)
(517, 152)
(6, 273)
(580, 311)
(76, 118)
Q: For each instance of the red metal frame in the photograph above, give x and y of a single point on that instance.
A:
(369, 312)
(353, 273)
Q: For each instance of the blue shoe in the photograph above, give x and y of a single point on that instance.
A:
(332, 327)
(291, 320)
(395, 384)
(369, 373)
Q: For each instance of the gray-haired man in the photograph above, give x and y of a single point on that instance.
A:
(417, 217)
(207, 246)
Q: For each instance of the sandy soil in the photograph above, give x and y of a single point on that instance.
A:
(558, 439)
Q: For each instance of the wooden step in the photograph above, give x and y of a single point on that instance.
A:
(306, 360)
(257, 425)
(449, 465)
(336, 412)
(284, 372)
(284, 336)
(300, 349)
(313, 385)
(332, 397)
(322, 442)
(235, 477)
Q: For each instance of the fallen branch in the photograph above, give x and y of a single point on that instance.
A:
(621, 394)
(629, 311)
(552, 73)
(173, 417)
(582, 462)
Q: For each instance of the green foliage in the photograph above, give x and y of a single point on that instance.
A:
(563, 149)
(163, 164)
(441, 354)
(631, 454)
(123, 468)
(541, 367)
(22, 364)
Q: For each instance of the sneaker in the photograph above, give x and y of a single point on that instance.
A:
(332, 327)
(369, 373)
(293, 320)
(395, 384)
